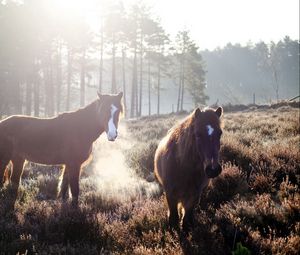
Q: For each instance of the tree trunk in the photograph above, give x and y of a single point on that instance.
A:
(58, 78)
(113, 69)
(69, 77)
(101, 58)
(134, 85)
(179, 95)
(18, 105)
(141, 77)
(36, 96)
(82, 80)
(158, 88)
(149, 87)
(124, 80)
(276, 83)
(179, 99)
(46, 91)
(28, 97)
(51, 89)
(182, 88)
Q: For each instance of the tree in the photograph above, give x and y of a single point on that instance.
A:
(269, 62)
(159, 41)
(195, 76)
(113, 29)
(190, 69)
(148, 29)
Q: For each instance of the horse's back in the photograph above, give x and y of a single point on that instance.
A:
(19, 124)
(35, 139)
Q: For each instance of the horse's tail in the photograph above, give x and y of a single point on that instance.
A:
(5, 157)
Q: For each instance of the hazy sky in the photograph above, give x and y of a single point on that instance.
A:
(214, 23)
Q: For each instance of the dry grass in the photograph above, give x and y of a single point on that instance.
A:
(255, 201)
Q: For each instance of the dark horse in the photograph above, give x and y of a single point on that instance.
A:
(63, 140)
(185, 160)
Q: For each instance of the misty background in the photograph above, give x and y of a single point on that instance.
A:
(54, 57)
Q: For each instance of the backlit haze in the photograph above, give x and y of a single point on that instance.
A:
(212, 23)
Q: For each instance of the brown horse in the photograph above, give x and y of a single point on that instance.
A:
(63, 140)
(185, 160)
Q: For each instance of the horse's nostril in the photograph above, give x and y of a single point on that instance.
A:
(213, 172)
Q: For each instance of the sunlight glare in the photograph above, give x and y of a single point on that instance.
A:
(90, 10)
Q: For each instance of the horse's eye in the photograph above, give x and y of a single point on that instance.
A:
(198, 134)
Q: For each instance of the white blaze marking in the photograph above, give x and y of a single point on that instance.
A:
(112, 130)
(210, 130)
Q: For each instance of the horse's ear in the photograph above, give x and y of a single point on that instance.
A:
(197, 112)
(120, 95)
(100, 95)
(219, 111)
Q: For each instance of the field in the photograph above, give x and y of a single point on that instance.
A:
(253, 206)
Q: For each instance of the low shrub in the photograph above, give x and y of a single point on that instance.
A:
(141, 158)
(223, 188)
(255, 201)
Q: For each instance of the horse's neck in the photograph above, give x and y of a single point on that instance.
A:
(89, 121)
(186, 141)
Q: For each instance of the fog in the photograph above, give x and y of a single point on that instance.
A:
(110, 174)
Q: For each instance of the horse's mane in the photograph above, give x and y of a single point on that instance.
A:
(182, 135)
(83, 112)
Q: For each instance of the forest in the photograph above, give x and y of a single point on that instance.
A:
(53, 60)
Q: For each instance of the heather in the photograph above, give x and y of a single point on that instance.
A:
(253, 206)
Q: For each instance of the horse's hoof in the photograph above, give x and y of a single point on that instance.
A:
(213, 172)
(74, 203)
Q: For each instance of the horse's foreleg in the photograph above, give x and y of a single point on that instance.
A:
(64, 185)
(173, 211)
(189, 206)
(74, 173)
(17, 171)
(188, 219)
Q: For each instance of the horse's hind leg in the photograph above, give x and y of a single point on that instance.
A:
(173, 211)
(74, 173)
(3, 164)
(5, 157)
(18, 164)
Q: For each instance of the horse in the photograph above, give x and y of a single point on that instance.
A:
(185, 160)
(66, 140)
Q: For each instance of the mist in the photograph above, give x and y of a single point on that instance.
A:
(110, 175)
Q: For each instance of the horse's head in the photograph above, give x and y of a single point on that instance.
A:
(207, 129)
(110, 107)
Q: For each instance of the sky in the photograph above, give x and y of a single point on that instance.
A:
(214, 23)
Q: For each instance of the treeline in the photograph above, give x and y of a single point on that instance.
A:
(50, 57)
(256, 73)
(53, 60)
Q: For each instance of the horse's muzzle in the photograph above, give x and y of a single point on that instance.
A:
(111, 139)
(213, 172)
(112, 136)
